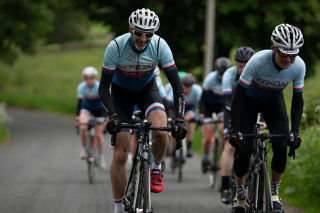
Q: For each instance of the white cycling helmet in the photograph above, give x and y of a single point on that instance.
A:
(144, 20)
(287, 38)
(90, 71)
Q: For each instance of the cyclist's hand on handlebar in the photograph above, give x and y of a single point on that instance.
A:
(295, 144)
(235, 138)
(179, 130)
(114, 124)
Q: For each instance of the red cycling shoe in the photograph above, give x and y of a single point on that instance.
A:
(156, 181)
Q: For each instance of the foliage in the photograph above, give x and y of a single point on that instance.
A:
(248, 23)
(27, 23)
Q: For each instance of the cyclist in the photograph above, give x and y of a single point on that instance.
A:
(229, 81)
(90, 104)
(129, 63)
(259, 89)
(193, 94)
(212, 101)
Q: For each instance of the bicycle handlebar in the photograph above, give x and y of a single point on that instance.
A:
(265, 136)
(147, 126)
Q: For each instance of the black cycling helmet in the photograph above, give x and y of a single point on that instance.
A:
(188, 80)
(222, 64)
(243, 54)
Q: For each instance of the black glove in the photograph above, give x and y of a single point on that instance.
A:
(114, 124)
(179, 131)
(295, 144)
(234, 138)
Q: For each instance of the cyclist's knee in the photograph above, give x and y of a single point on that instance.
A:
(120, 156)
(160, 137)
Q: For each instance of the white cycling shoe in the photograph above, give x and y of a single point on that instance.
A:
(83, 154)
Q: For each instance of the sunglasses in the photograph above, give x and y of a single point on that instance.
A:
(140, 34)
(89, 78)
(284, 55)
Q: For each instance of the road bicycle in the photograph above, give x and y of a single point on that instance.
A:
(213, 162)
(257, 185)
(91, 150)
(137, 193)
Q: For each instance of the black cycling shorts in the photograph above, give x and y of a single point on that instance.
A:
(276, 118)
(147, 99)
(210, 108)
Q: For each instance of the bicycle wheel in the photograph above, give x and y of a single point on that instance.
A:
(146, 187)
(214, 167)
(91, 160)
(132, 187)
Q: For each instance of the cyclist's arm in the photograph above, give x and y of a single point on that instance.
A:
(202, 102)
(238, 99)
(79, 105)
(178, 92)
(227, 101)
(296, 111)
(104, 93)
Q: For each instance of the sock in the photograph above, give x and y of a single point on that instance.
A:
(118, 207)
(156, 165)
(205, 157)
(225, 183)
(189, 144)
(275, 188)
(240, 192)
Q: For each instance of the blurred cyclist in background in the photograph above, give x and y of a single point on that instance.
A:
(212, 102)
(192, 93)
(229, 81)
(89, 105)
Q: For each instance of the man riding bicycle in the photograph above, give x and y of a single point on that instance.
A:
(212, 101)
(90, 104)
(129, 63)
(229, 82)
(259, 89)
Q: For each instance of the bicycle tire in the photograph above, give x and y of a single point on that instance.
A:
(180, 164)
(146, 187)
(268, 200)
(214, 164)
(91, 161)
(250, 189)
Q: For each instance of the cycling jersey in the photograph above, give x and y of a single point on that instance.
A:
(132, 69)
(89, 96)
(127, 67)
(191, 99)
(212, 88)
(229, 80)
(264, 81)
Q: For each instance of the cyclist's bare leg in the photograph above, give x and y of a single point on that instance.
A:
(276, 176)
(133, 144)
(208, 131)
(227, 159)
(189, 126)
(83, 121)
(99, 136)
(222, 141)
(160, 139)
(118, 173)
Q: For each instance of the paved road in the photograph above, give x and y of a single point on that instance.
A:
(40, 172)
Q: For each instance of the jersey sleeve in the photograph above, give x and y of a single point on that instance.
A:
(80, 91)
(165, 56)
(207, 80)
(248, 74)
(198, 92)
(298, 81)
(227, 83)
(111, 58)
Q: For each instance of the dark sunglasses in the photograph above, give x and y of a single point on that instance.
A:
(284, 55)
(140, 34)
(89, 78)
